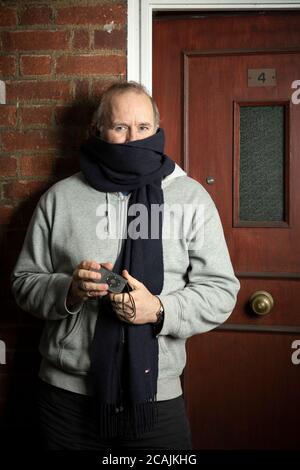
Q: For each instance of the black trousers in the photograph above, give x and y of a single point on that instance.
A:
(67, 423)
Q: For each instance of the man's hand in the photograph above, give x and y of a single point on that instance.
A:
(146, 304)
(83, 286)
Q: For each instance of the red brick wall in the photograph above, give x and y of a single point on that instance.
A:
(55, 58)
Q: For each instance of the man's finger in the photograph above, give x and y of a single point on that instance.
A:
(119, 298)
(97, 293)
(132, 281)
(107, 265)
(89, 265)
(91, 286)
(85, 274)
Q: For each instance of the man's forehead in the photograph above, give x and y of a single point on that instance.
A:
(130, 95)
(127, 105)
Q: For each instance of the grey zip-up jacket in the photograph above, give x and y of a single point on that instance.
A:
(74, 222)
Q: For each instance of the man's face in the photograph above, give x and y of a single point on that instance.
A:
(131, 118)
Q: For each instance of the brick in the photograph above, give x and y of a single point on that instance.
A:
(47, 165)
(38, 90)
(44, 165)
(36, 115)
(7, 65)
(81, 89)
(97, 14)
(35, 40)
(11, 222)
(8, 166)
(99, 86)
(91, 64)
(59, 139)
(36, 15)
(72, 116)
(36, 65)
(8, 16)
(8, 115)
(24, 189)
(30, 140)
(116, 39)
(81, 39)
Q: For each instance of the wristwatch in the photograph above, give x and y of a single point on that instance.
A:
(160, 313)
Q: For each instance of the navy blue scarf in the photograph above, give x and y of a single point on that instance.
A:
(124, 357)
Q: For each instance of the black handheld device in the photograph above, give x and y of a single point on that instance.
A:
(115, 282)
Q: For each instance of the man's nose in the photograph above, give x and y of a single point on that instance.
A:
(131, 134)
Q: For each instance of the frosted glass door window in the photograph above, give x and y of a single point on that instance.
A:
(262, 189)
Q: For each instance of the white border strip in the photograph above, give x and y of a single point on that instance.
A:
(139, 27)
(2, 92)
(133, 40)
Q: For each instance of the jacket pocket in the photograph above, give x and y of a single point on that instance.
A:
(172, 356)
(66, 343)
(74, 347)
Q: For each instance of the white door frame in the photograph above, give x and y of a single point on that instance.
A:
(139, 27)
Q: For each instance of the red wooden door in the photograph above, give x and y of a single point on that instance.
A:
(223, 84)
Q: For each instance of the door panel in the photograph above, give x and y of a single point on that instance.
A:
(285, 292)
(203, 98)
(246, 391)
(240, 382)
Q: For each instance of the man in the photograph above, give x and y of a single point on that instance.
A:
(110, 374)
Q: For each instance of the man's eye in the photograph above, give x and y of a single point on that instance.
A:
(143, 128)
(120, 128)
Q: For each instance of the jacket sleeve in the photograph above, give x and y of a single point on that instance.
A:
(209, 295)
(36, 287)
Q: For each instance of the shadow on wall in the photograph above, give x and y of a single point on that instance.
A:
(19, 330)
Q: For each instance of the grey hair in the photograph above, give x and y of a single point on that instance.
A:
(101, 117)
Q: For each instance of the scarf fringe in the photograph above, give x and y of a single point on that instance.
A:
(127, 421)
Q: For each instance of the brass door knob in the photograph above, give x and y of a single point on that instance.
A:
(210, 180)
(261, 302)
